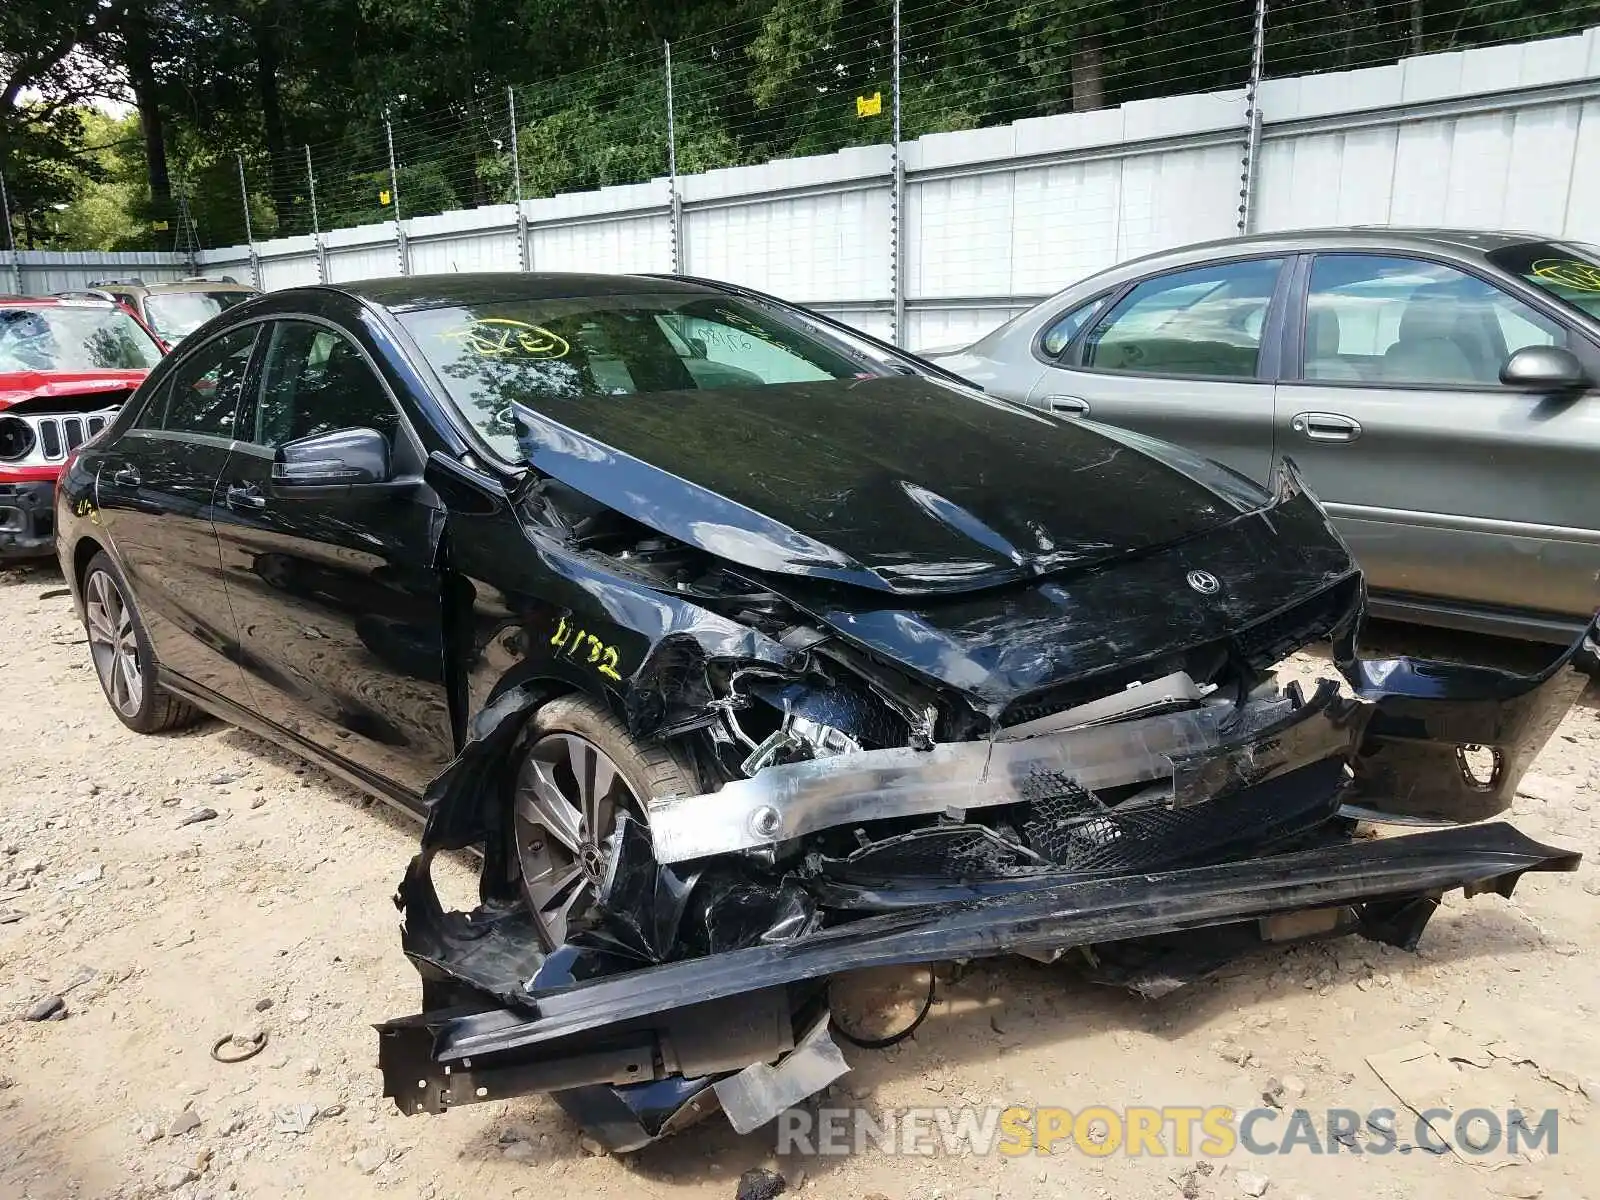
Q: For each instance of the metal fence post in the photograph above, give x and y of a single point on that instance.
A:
(897, 199)
(402, 252)
(316, 228)
(249, 236)
(11, 239)
(186, 241)
(674, 201)
(516, 170)
(1252, 116)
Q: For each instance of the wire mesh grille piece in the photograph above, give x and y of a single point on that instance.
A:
(1073, 829)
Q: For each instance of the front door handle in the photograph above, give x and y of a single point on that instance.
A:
(1326, 427)
(1070, 406)
(245, 496)
(126, 476)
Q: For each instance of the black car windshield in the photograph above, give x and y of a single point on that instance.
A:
(534, 351)
(175, 315)
(74, 337)
(1569, 271)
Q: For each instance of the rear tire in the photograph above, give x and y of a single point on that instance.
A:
(123, 658)
(579, 767)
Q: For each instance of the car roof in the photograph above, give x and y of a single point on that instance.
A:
(1472, 242)
(1420, 240)
(198, 285)
(174, 285)
(53, 302)
(1402, 239)
(412, 292)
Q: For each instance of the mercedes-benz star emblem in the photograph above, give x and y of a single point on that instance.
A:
(1204, 582)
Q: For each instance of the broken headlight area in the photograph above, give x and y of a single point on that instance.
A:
(844, 829)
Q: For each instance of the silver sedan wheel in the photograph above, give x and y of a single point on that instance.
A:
(113, 644)
(567, 798)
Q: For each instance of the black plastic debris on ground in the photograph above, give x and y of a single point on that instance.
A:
(758, 1183)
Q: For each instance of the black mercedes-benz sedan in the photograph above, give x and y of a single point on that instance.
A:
(750, 650)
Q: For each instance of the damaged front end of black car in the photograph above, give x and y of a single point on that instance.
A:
(902, 759)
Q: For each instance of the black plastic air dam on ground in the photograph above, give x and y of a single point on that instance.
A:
(574, 1021)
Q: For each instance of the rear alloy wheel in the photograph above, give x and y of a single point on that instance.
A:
(122, 656)
(580, 770)
(113, 645)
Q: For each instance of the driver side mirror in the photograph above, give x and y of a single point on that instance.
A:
(1544, 368)
(337, 459)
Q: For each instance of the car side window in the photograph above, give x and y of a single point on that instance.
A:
(718, 352)
(1059, 336)
(202, 393)
(314, 380)
(1206, 321)
(1386, 320)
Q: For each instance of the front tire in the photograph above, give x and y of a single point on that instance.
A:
(580, 767)
(122, 656)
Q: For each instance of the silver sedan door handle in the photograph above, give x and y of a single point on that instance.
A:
(1070, 406)
(1326, 427)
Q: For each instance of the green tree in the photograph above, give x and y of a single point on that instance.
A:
(110, 191)
(49, 69)
(754, 80)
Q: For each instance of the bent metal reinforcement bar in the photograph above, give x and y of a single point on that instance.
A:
(795, 799)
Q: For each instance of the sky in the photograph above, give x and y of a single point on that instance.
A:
(115, 108)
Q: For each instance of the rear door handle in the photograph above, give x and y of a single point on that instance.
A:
(245, 496)
(1070, 406)
(126, 476)
(1326, 427)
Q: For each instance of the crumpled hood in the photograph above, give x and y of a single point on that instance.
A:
(17, 386)
(897, 484)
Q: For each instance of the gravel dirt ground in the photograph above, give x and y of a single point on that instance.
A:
(161, 936)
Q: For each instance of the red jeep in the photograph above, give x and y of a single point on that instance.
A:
(65, 366)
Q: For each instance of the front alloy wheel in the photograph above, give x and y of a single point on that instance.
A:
(567, 802)
(581, 768)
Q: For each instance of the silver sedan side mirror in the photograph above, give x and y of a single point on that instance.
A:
(1544, 368)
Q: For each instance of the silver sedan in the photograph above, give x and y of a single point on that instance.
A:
(1439, 389)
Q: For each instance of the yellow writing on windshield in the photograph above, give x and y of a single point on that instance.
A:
(500, 337)
(1579, 276)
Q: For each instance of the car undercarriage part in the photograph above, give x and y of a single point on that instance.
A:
(757, 1094)
(876, 1009)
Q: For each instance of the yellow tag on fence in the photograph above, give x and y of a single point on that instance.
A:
(869, 106)
(383, 198)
